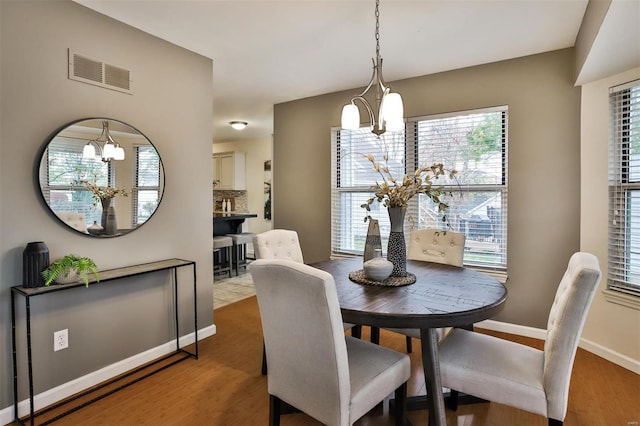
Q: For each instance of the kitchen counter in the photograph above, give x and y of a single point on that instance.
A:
(229, 222)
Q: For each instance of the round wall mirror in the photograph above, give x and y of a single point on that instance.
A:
(101, 177)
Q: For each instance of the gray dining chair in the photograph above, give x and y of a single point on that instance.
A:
(313, 365)
(438, 246)
(284, 244)
(521, 376)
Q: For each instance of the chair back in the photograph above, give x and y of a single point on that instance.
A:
(566, 320)
(74, 219)
(436, 245)
(278, 244)
(304, 338)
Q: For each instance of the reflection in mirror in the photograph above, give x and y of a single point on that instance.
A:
(101, 177)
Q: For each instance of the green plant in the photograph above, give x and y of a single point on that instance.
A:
(83, 265)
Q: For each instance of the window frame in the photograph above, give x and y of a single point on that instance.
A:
(623, 278)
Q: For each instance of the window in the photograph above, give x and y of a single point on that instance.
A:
(146, 191)
(65, 167)
(472, 142)
(624, 189)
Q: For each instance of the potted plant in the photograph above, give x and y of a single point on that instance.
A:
(69, 269)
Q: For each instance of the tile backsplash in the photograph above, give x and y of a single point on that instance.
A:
(238, 200)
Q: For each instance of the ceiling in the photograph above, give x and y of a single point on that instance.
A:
(266, 52)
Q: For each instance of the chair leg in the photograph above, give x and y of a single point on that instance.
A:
(409, 344)
(375, 335)
(554, 422)
(274, 410)
(452, 401)
(356, 331)
(400, 404)
(264, 360)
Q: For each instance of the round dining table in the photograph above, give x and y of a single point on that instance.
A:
(442, 296)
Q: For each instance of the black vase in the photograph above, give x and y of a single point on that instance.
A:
(35, 259)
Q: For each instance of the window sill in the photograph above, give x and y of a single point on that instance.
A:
(501, 276)
(623, 299)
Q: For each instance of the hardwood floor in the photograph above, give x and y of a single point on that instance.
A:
(225, 387)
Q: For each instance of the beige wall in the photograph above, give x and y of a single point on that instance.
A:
(608, 325)
(172, 106)
(544, 165)
(257, 152)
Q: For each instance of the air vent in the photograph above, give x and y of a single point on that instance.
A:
(91, 71)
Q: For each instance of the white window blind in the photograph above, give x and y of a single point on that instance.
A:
(352, 178)
(474, 143)
(146, 191)
(624, 189)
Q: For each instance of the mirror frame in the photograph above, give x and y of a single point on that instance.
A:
(41, 166)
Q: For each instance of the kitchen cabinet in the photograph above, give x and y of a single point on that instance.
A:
(229, 169)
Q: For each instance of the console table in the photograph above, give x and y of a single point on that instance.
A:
(106, 275)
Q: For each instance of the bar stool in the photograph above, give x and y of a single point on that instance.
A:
(222, 248)
(240, 242)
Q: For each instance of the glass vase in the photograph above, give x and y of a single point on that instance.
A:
(109, 224)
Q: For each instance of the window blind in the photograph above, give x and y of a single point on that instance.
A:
(146, 191)
(624, 189)
(352, 180)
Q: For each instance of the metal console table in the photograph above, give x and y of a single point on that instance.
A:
(106, 275)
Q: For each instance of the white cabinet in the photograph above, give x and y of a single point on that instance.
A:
(229, 170)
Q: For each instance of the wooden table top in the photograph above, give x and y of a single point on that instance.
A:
(442, 296)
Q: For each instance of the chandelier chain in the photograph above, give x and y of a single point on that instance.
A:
(377, 28)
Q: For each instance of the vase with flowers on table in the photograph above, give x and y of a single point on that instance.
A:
(395, 194)
(105, 196)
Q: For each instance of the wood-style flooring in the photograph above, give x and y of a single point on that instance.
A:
(225, 387)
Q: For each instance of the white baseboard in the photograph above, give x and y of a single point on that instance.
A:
(615, 357)
(537, 333)
(65, 390)
(519, 330)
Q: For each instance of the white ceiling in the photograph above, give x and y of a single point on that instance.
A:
(266, 52)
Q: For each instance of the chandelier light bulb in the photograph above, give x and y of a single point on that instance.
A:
(118, 153)
(108, 151)
(350, 117)
(89, 151)
(393, 112)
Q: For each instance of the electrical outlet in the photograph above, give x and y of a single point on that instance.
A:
(60, 340)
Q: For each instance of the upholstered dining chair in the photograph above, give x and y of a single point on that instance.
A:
(313, 365)
(438, 246)
(74, 219)
(284, 244)
(521, 376)
(278, 244)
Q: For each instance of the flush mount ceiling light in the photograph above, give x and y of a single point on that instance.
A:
(389, 105)
(238, 125)
(109, 149)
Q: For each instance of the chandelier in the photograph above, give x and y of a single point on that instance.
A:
(109, 149)
(388, 105)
